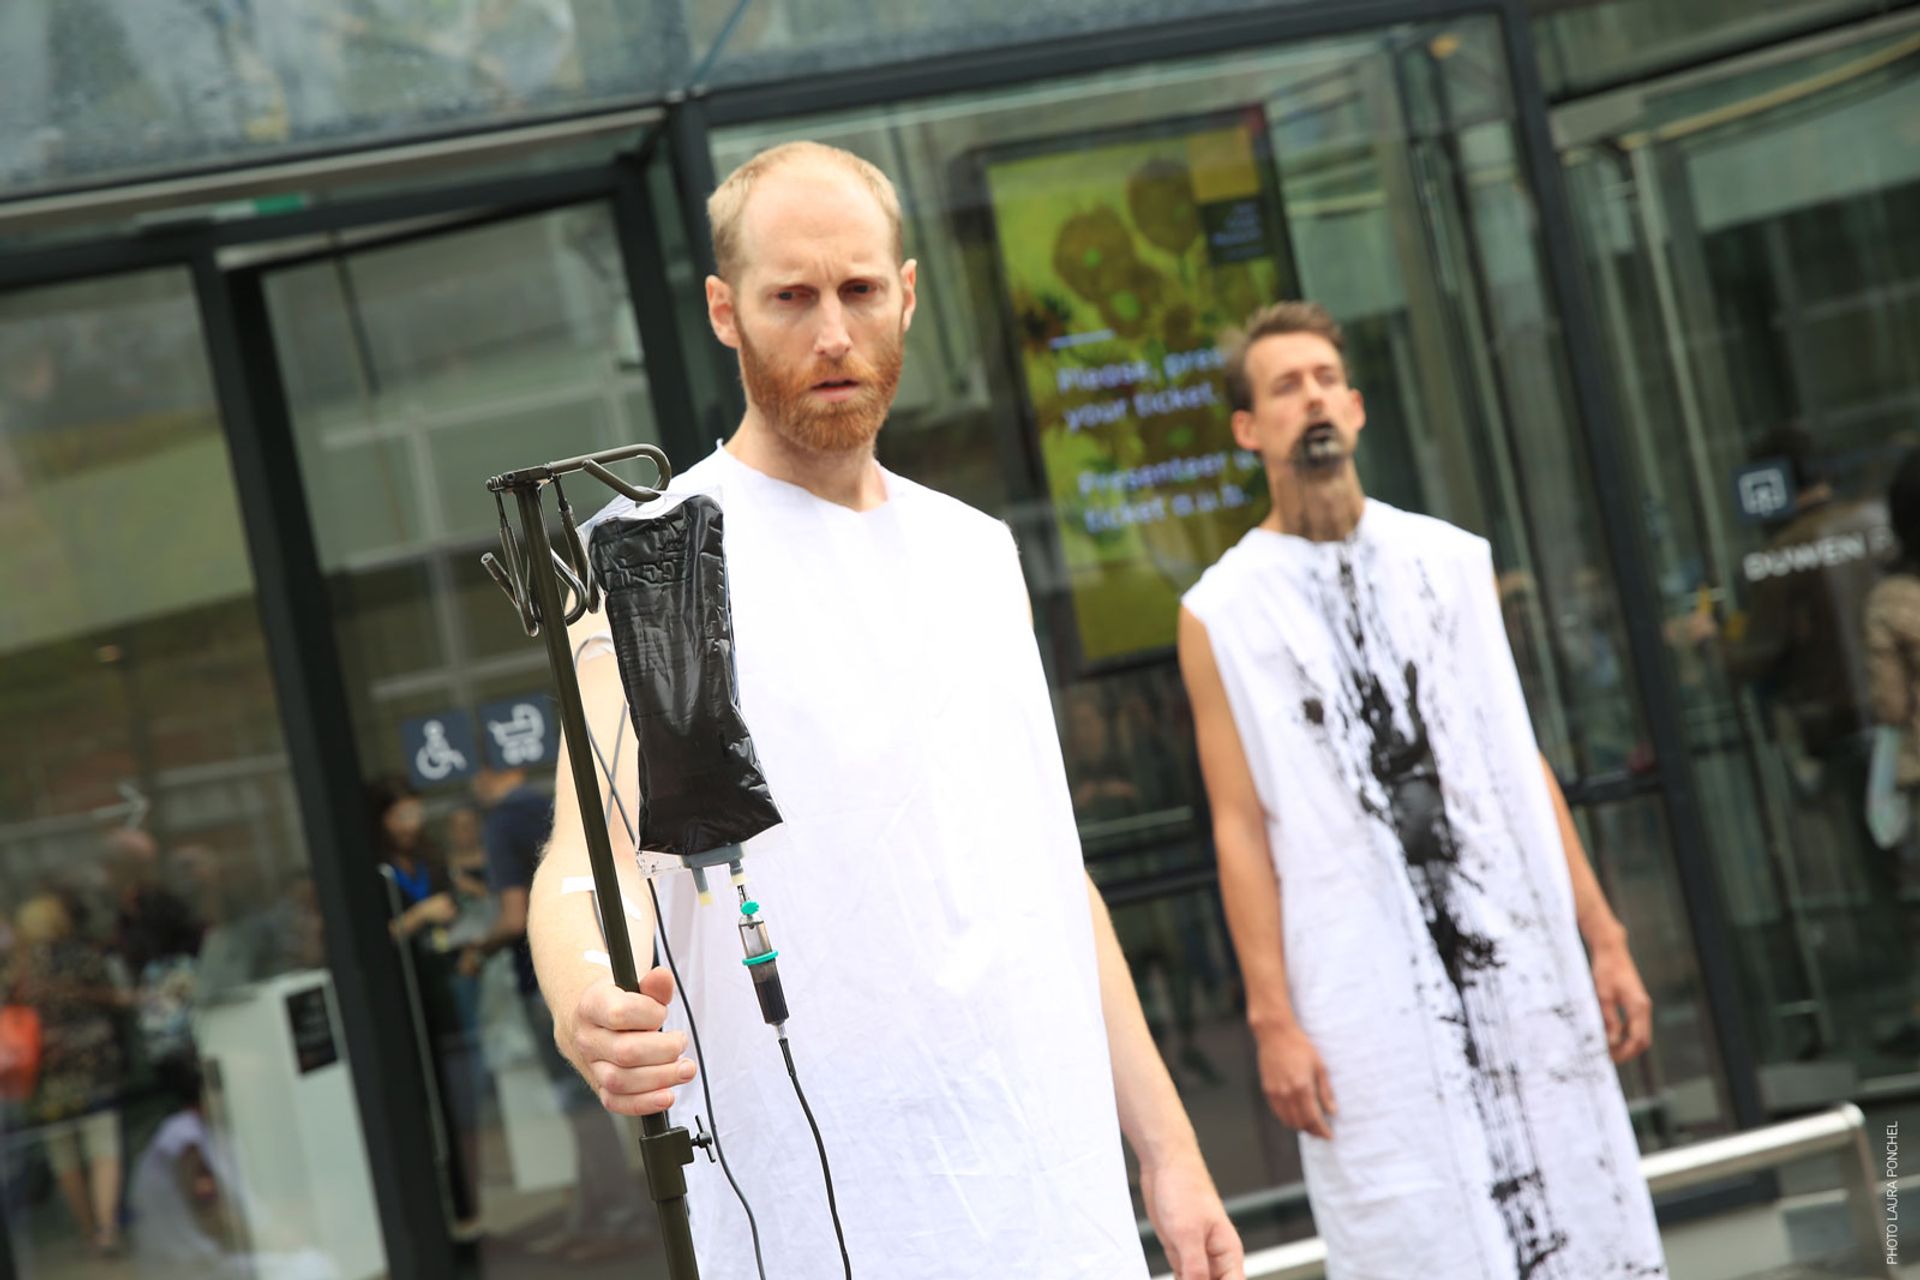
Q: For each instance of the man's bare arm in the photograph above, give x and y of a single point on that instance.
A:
(1249, 889)
(1598, 925)
(612, 1037)
(1181, 1201)
(1625, 1006)
(1291, 1073)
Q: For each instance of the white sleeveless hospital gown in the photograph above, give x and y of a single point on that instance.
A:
(927, 898)
(1432, 954)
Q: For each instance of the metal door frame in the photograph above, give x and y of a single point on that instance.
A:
(291, 596)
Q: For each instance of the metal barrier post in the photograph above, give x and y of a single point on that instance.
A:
(1844, 1128)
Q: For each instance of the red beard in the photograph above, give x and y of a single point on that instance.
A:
(784, 398)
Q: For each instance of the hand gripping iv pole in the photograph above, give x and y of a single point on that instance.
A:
(531, 578)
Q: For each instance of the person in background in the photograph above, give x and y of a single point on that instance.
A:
(1799, 642)
(19, 1064)
(517, 818)
(426, 909)
(400, 841)
(1801, 647)
(1893, 626)
(152, 923)
(185, 1194)
(1893, 675)
(157, 934)
(181, 1186)
(975, 1048)
(605, 1215)
(82, 1064)
(1403, 881)
(467, 863)
(476, 911)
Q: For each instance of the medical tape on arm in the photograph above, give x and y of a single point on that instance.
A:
(584, 884)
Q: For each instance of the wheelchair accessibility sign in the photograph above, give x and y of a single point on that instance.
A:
(439, 748)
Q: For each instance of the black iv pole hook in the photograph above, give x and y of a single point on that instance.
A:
(512, 569)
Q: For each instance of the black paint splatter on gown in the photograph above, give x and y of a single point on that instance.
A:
(1401, 761)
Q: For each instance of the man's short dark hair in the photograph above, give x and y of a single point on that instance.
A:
(1268, 322)
(1794, 445)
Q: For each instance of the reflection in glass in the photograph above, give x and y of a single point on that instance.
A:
(91, 89)
(160, 915)
(1674, 1091)
(414, 372)
(1763, 338)
(1408, 215)
(1585, 46)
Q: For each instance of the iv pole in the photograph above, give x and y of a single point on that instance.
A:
(531, 579)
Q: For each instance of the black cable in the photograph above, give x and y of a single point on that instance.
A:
(826, 1171)
(693, 1027)
(700, 1063)
(693, 1031)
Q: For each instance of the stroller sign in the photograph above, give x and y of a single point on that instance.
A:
(520, 738)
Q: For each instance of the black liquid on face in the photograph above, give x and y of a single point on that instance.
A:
(1404, 765)
(1318, 452)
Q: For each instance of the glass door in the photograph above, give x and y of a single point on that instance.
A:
(188, 1108)
(1390, 161)
(1765, 339)
(414, 365)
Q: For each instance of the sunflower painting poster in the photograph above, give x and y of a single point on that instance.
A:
(1125, 259)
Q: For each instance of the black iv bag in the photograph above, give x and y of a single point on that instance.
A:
(665, 580)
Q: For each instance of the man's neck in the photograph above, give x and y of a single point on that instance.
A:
(849, 479)
(1317, 510)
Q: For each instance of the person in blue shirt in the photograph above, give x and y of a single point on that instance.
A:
(416, 867)
(606, 1214)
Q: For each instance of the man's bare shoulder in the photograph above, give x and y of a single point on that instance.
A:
(1223, 582)
(1425, 533)
(943, 510)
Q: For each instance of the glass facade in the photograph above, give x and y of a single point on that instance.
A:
(413, 371)
(160, 920)
(95, 91)
(1585, 46)
(1407, 214)
(1757, 335)
(751, 43)
(1762, 338)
